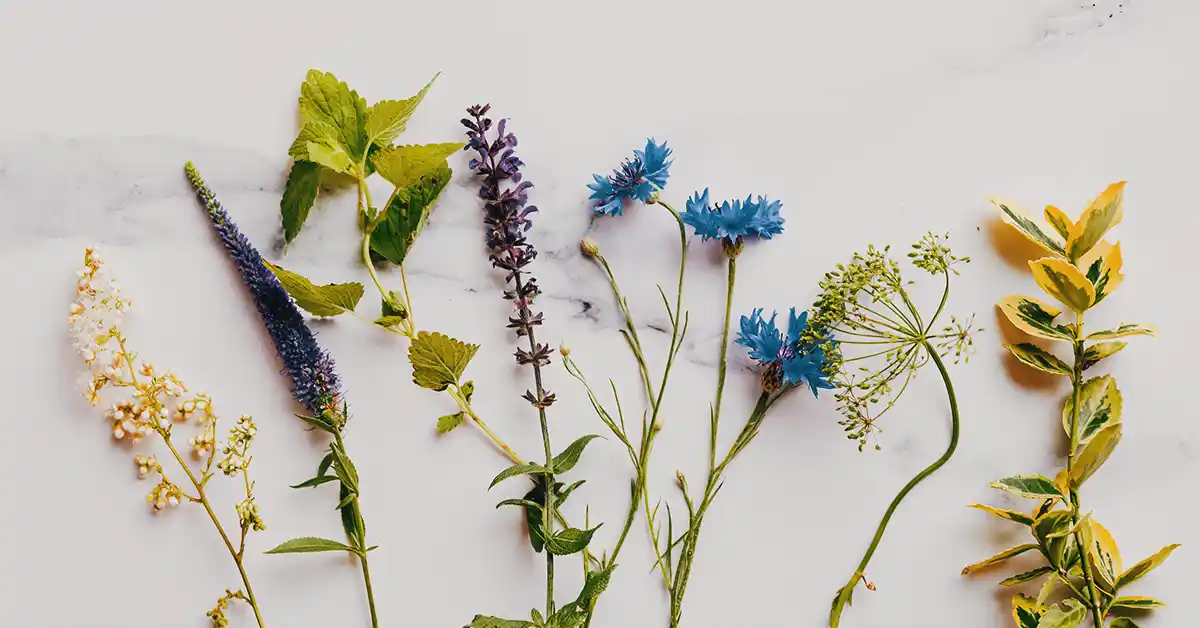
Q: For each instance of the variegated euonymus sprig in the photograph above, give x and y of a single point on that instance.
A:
(1080, 558)
(880, 340)
(158, 403)
(507, 217)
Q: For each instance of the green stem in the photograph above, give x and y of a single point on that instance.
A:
(1076, 383)
(370, 593)
(845, 592)
(360, 542)
(721, 367)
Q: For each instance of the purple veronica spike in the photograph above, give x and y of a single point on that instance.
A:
(315, 383)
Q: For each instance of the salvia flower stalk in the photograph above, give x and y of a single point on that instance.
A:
(882, 341)
(158, 403)
(314, 384)
(507, 217)
(1082, 564)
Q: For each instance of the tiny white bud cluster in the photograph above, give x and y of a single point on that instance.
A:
(95, 324)
(165, 494)
(237, 447)
(146, 465)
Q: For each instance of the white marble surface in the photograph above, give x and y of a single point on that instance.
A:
(872, 120)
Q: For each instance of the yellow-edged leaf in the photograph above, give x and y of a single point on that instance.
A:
(1031, 227)
(1142, 568)
(1095, 453)
(1099, 351)
(1011, 515)
(1103, 268)
(1026, 611)
(1099, 405)
(1029, 487)
(1068, 614)
(1103, 214)
(1024, 577)
(1038, 358)
(1058, 220)
(999, 558)
(1136, 602)
(1122, 330)
(1064, 282)
(1106, 556)
(1033, 317)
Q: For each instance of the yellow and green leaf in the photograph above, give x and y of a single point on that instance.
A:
(1064, 282)
(1038, 358)
(1010, 515)
(1136, 602)
(1103, 214)
(1099, 405)
(1026, 576)
(323, 98)
(1122, 330)
(1027, 612)
(1139, 570)
(1034, 317)
(999, 558)
(1095, 453)
(1106, 556)
(1068, 614)
(405, 166)
(1103, 266)
(387, 119)
(1039, 233)
(1029, 486)
(1057, 219)
(327, 300)
(1123, 622)
(1099, 351)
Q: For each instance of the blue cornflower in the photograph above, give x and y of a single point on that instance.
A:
(637, 178)
(315, 383)
(732, 221)
(786, 360)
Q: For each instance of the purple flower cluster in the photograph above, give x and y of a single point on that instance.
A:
(507, 216)
(315, 383)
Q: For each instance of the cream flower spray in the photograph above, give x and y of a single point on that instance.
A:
(157, 402)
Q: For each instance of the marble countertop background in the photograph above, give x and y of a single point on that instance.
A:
(873, 121)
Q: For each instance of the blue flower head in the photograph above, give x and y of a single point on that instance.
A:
(733, 220)
(786, 360)
(315, 382)
(637, 178)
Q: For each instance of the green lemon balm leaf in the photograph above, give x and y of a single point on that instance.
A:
(320, 142)
(323, 98)
(299, 195)
(328, 300)
(438, 360)
(407, 213)
(387, 119)
(405, 166)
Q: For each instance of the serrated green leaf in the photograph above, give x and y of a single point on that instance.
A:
(1064, 282)
(317, 481)
(1095, 453)
(1099, 405)
(1029, 226)
(1049, 530)
(1136, 602)
(1034, 317)
(1139, 570)
(1029, 486)
(1026, 611)
(299, 195)
(405, 166)
(999, 558)
(1068, 614)
(525, 468)
(326, 462)
(1099, 351)
(533, 516)
(320, 142)
(1038, 358)
(1124, 329)
(561, 497)
(344, 469)
(349, 517)
(483, 621)
(1101, 215)
(389, 321)
(323, 98)
(449, 422)
(407, 213)
(1011, 515)
(468, 389)
(569, 541)
(438, 360)
(569, 457)
(306, 544)
(1027, 576)
(327, 300)
(387, 119)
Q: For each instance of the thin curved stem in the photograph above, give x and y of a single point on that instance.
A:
(844, 593)
(1093, 600)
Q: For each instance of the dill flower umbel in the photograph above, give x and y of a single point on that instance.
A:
(638, 178)
(157, 403)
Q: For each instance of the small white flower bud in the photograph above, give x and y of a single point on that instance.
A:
(118, 433)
